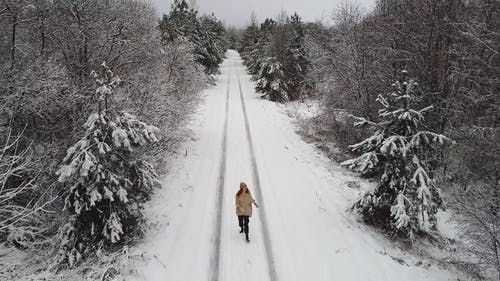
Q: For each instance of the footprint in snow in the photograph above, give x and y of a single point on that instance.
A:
(321, 209)
(341, 250)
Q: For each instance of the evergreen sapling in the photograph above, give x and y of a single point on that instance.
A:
(107, 181)
(270, 80)
(406, 198)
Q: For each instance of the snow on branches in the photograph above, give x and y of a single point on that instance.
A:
(270, 80)
(206, 34)
(106, 178)
(406, 196)
(20, 212)
(278, 49)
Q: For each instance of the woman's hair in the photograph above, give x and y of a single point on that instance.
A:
(242, 184)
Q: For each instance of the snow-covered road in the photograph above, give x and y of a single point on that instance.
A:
(301, 231)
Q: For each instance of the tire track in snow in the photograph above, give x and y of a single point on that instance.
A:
(215, 254)
(255, 174)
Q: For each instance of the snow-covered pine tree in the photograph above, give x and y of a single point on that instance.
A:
(207, 34)
(270, 80)
(107, 182)
(257, 52)
(248, 40)
(180, 22)
(212, 45)
(406, 198)
(298, 58)
(255, 57)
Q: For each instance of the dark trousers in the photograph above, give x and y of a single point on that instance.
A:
(243, 222)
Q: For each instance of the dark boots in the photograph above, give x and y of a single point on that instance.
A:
(243, 223)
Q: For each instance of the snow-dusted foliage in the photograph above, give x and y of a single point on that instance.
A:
(289, 46)
(397, 153)
(257, 53)
(270, 80)
(207, 34)
(212, 45)
(20, 222)
(283, 41)
(46, 95)
(107, 182)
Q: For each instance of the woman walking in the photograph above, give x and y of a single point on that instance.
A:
(244, 203)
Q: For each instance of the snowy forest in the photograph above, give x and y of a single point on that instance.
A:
(94, 94)
(101, 99)
(420, 82)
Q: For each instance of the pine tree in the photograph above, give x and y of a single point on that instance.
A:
(248, 40)
(213, 45)
(406, 198)
(257, 52)
(270, 80)
(107, 182)
(180, 22)
(285, 43)
(297, 57)
(207, 34)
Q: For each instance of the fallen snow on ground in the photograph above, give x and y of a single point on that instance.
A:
(303, 109)
(446, 225)
(305, 196)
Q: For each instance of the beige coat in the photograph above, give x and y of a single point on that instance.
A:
(244, 204)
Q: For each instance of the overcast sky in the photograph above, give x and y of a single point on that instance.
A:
(237, 12)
